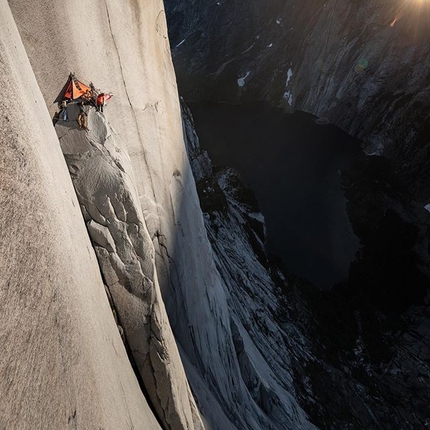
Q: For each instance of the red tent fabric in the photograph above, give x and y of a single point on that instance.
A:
(72, 90)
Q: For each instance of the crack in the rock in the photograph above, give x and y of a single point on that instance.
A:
(127, 94)
(129, 350)
(154, 374)
(162, 245)
(117, 52)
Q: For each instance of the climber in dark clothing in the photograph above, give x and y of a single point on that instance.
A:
(82, 117)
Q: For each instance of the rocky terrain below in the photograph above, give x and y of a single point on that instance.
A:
(356, 358)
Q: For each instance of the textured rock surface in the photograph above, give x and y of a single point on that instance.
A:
(62, 362)
(140, 203)
(123, 47)
(100, 170)
(264, 350)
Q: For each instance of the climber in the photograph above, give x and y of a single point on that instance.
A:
(87, 97)
(63, 112)
(82, 117)
(102, 98)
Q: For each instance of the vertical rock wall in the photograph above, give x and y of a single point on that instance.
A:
(123, 47)
(99, 167)
(63, 364)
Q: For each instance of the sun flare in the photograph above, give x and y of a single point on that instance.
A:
(418, 10)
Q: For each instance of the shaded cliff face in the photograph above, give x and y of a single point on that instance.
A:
(362, 65)
(267, 352)
(348, 365)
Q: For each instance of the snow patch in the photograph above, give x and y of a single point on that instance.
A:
(241, 81)
(247, 50)
(278, 21)
(289, 74)
(180, 43)
(269, 46)
(427, 207)
(288, 96)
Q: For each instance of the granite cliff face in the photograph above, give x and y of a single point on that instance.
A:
(139, 203)
(361, 65)
(267, 352)
(101, 174)
(190, 301)
(63, 364)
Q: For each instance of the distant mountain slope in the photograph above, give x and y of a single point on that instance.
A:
(361, 65)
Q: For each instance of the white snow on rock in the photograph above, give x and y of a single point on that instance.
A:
(269, 45)
(223, 65)
(288, 96)
(289, 75)
(181, 42)
(241, 81)
(427, 207)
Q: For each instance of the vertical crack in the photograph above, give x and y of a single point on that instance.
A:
(128, 96)
(118, 55)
